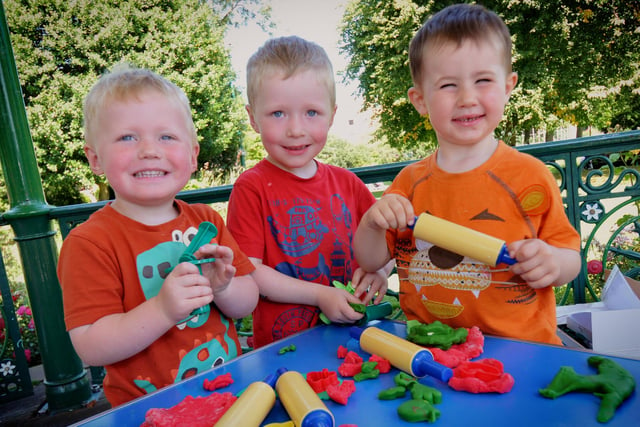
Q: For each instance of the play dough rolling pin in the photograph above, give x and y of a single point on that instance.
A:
(253, 405)
(302, 403)
(461, 240)
(403, 354)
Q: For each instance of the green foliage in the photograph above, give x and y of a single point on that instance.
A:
(62, 47)
(339, 152)
(573, 58)
(254, 149)
(576, 52)
(376, 35)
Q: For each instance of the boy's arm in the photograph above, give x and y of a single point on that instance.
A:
(571, 263)
(370, 247)
(118, 336)
(370, 243)
(279, 287)
(239, 298)
(541, 264)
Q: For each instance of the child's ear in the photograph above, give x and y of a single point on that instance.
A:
(417, 99)
(92, 157)
(333, 115)
(194, 157)
(252, 119)
(511, 81)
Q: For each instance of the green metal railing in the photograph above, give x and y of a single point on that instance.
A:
(601, 195)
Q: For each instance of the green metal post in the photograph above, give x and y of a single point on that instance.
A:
(67, 383)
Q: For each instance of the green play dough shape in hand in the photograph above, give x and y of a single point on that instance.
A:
(415, 411)
(613, 385)
(360, 308)
(435, 334)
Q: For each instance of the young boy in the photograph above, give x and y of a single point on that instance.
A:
(461, 69)
(128, 301)
(292, 215)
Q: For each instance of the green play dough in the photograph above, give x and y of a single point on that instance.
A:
(424, 392)
(415, 411)
(435, 334)
(613, 384)
(392, 393)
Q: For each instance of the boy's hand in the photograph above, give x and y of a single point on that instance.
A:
(369, 284)
(334, 303)
(538, 263)
(391, 211)
(221, 271)
(183, 291)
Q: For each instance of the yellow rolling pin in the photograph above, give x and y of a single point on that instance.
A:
(461, 240)
(302, 403)
(403, 354)
(253, 405)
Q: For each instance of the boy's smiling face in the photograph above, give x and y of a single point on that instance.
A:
(464, 90)
(144, 147)
(293, 117)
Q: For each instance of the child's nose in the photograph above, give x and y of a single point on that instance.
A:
(466, 96)
(148, 148)
(295, 127)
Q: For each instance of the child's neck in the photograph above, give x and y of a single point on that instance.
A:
(459, 159)
(307, 171)
(148, 215)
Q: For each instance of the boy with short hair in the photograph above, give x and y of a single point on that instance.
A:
(128, 300)
(461, 69)
(291, 214)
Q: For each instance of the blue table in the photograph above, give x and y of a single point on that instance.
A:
(532, 365)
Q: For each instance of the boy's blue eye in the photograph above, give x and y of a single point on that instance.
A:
(312, 113)
(127, 138)
(277, 114)
(166, 137)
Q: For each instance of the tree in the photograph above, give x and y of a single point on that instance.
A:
(578, 53)
(375, 36)
(572, 56)
(62, 47)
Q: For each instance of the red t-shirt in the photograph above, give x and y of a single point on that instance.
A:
(111, 264)
(301, 227)
(512, 196)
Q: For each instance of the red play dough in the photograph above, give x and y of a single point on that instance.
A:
(384, 366)
(320, 381)
(220, 381)
(458, 353)
(340, 392)
(192, 411)
(342, 352)
(352, 365)
(482, 376)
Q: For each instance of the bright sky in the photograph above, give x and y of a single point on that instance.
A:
(316, 21)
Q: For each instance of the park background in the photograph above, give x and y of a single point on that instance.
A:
(578, 63)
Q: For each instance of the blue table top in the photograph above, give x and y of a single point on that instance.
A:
(533, 366)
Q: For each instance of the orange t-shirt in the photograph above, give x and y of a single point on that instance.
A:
(512, 196)
(111, 264)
